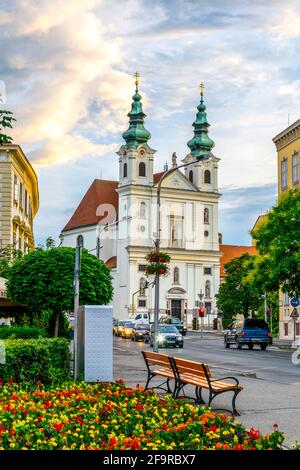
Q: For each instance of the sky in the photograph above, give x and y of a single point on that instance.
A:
(68, 71)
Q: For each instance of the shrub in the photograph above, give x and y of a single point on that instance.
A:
(32, 360)
(21, 332)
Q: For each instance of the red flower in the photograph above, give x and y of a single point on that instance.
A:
(112, 442)
(139, 407)
(58, 426)
(254, 434)
(238, 447)
(275, 425)
(213, 428)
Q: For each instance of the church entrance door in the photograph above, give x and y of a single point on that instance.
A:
(176, 308)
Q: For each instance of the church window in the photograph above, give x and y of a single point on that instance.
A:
(207, 289)
(142, 210)
(125, 170)
(207, 178)
(206, 215)
(176, 276)
(191, 176)
(206, 233)
(142, 303)
(142, 169)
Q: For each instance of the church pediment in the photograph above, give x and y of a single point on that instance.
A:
(177, 180)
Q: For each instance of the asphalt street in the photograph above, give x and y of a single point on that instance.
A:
(271, 382)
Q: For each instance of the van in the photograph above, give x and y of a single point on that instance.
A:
(142, 317)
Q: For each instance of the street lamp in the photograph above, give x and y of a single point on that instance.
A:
(201, 158)
(79, 246)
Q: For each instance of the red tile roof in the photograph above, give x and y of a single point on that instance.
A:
(157, 176)
(100, 192)
(111, 262)
(230, 252)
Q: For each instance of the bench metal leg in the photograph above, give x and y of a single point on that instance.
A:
(198, 392)
(234, 411)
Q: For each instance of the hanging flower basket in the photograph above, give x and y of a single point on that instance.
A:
(160, 269)
(158, 257)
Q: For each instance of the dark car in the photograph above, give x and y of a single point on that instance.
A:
(168, 336)
(171, 320)
(249, 332)
(139, 332)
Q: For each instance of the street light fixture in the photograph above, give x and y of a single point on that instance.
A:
(201, 158)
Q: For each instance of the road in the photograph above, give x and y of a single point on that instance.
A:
(271, 382)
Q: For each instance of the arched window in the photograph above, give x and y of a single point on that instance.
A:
(207, 178)
(207, 289)
(176, 276)
(206, 215)
(125, 170)
(191, 176)
(142, 210)
(142, 169)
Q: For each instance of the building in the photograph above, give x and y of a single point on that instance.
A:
(118, 222)
(19, 199)
(287, 145)
(230, 252)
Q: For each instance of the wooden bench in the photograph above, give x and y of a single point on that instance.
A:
(199, 375)
(159, 365)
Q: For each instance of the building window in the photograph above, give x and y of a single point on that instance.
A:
(207, 178)
(142, 169)
(26, 201)
(191, 176)
(21, 196)
(176, 276)
(142, 303)
(125, 170)
(286, 329)
(284, 174)
(206, 215)
(15, 240)
(142, 210)
(207, 289)
(295, 167)
(207, 270)
(141, 268)
(16, 198)
(176, 231)
(206, 233)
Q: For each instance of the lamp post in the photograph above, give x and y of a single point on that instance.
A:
(201, 295)
(79, 246)
(201, 158)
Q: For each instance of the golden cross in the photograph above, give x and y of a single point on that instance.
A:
(202, 89)
(137, 79)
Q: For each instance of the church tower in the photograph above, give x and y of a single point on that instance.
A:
(136, 157)
(204, 175)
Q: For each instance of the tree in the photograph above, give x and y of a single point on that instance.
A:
(43, 279)
(6, 120)
(238, 295)
(278, 238)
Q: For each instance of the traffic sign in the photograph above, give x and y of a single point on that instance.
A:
(295, 302)
(294, 313)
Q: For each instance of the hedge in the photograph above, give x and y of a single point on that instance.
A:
(21, 332)
(32, 360)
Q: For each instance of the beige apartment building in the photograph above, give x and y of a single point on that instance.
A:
(19, 199)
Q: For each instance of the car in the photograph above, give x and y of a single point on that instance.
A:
(119, 327)
(175, 321)
(140, 331)
(168, 336)
(127, 329)
(142, 317)
(248, 332)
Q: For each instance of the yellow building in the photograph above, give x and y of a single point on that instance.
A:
(19, 199)
(288, 157)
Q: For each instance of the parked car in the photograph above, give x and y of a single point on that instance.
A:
(140, 331)
(127, 329)
(142, 317)
(168, 336)
(171, 320)
(250, 331)
(120, 327)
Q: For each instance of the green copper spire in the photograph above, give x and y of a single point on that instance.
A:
(136, 134)
(201, 143)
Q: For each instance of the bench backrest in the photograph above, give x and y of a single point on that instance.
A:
(184, 366)
(157, 359)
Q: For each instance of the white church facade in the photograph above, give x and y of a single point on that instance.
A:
(117, 220)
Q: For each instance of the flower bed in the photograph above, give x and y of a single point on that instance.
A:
(111, 416)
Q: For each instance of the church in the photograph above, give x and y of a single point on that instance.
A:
(118, 219)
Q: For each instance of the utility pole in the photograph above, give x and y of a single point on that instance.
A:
(79, 246)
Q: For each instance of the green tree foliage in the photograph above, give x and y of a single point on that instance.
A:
(278, 239)
(43, 279)
(237, 295)
(6, 121)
